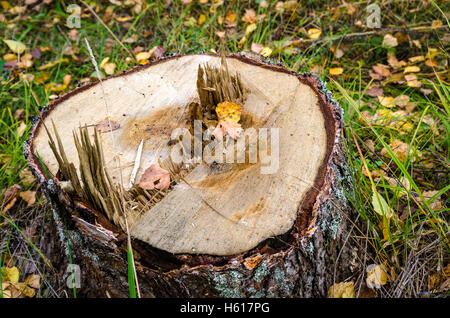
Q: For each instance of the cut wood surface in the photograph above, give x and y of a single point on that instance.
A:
(222, 229)
(219, 211)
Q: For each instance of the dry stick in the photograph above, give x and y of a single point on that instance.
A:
(106, 27)
(117, 162)
(137, 164)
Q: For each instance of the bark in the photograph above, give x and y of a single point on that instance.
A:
(304, 262)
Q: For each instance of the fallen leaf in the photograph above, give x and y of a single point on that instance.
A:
(415, 59)
(250, 28)
(336, 71)
(382, 70)
(249, 16)
(376, 276)
(374, 92)
(399, 148)
(26, 177)
(401, 100)
(21, 129)
(231, 129)
(155, 177)
(390, 41)
(256, 47)
(380, 205)
(314, 33)
(29, 197)
(230, 17)
(158, 51)
(342, 290)
(266, 51)
(109, 68)
(386, 101)
(107, 125)
(10, 274)
(411, 69)
(229, 112)
(15, 46)
(201, 19)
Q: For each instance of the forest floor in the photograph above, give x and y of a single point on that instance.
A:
(386, 63)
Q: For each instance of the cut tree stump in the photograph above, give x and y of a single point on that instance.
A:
(221, 229)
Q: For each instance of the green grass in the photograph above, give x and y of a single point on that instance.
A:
(416, 223)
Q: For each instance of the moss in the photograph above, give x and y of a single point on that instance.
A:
(229, 284)
(261, 272)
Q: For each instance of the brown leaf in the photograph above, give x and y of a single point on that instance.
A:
(375, 92)
(29, 197)
(158, 51)
(104, 125)
(382, 70)
(227, 128)
(155, 177)
(249, 16)
(10, 197)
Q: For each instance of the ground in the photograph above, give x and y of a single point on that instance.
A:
(386, 63)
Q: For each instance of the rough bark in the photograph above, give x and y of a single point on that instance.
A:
(304, 262)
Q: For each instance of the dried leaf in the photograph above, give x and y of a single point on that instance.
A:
(228, 111)
(201, 19)
(390, 41)
(411, 69)
(336, 71)
(342, 290)
(386, 101)
(15, 46)
(376, 276)
(380, 205)
(249, 16)
(155, 177)
(107, 125)
(29, 197)
(314, 33)
(231, 129)
(10, 274)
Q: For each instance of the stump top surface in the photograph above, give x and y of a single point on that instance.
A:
(221, 210)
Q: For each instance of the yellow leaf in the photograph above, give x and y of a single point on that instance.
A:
(5, 5)
(104, 61)
(230, 17)
(380, 205)
(419, 58)
(266, 51)
(376, 276)
(314, 33)
(143, 56)
(21, 129)
(229, 112)
(10, 274)
(15, 46)
(201, 19)
(342, 290)
(9, 57)
(386, 101)
(109, 68)
(411, 69)
(250, 28)
(436, 23)
(336, 71)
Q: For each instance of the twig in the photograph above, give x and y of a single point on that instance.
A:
(137, 163)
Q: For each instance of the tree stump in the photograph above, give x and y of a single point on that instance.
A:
(277, 226)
